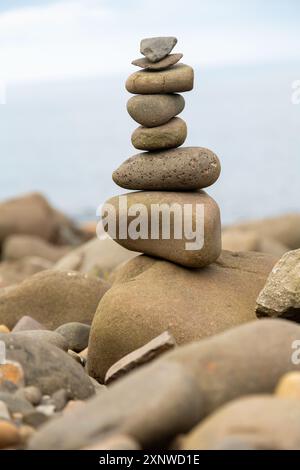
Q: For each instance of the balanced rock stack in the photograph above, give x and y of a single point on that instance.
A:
(165, 174)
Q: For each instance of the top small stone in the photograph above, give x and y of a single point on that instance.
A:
(156, 49)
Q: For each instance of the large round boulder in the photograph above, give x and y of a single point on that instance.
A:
(151, 296)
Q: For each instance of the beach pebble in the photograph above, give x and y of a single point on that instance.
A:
(155, 49)
(32, 214)
(73, 405)
(137, 358)
(155, 110)
(49, 368)
(31, 394)
(48, 336)
(76, 357)
(164, 63)
(14, 272)
(289, 386)
(281, 295)
(35, 419)
(12, 371)
(4, 413)
(16, 404)
(115, 442)
(60, 399)
(176, 79)
(47, 410)
(53, 297)
(17, 247)
(96, 257)
(204, 251)
(248, 240)
(27, 323)
(285, 229)
(26, 432)
(184, 386)
(76, 335)
(4, 329)
(184, 168)
(169, 135)
(264, 422)
(9, 434)
(171, 301)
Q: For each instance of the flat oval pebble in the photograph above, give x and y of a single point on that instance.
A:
(185, 168)
(169, 135)
(168, 61)
(175, 79)
(154, 110)
(174, 246)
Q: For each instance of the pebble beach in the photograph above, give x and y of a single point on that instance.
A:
(150, 342)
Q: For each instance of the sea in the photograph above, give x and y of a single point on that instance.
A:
(65, 137)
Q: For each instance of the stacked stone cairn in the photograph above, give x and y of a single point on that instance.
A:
(167, 174)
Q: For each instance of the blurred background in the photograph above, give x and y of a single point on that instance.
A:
(65, 128)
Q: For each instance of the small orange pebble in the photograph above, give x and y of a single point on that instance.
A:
(4, 329)
(9, 434)
(12, 371)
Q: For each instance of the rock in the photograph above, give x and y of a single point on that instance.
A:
(35, 419)
(151, 296)
(176, 79)
(17, 247)
(76, 335)
(12, 371)
(165, 63)
(73, 405)
(141, 356)
(265, 422)
(185, 168)
(281, 295)
(235, 442)
(284, 229)
(289, 386)
(4, 329)
(76, 357)
(32, 394)
(50, 337)
(27, 323)
(53, 297)
(244, 240)
(26, 432)
(155, 49)
(115, 442)
(16, 404)
(49, 368)
(4, 413)
(155, 110)
(172, 245)
(60, 399)
(32, 215)
(99, 388)
(181, 388)
(47, 410)
(14, 272)
(169, 135)
(8, 387)
(97, 257)
(83, 354)
(9, 435)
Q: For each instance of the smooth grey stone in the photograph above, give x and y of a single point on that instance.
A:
(76, 335)
(157, 48)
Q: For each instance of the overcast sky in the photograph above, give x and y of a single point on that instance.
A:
(73, 38)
